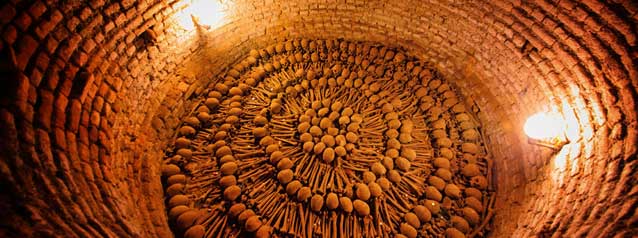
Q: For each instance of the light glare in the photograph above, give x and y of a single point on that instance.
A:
(543, 126)
(185, 20)
(207, 13)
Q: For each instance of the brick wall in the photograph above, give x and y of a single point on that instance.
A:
(95, 88)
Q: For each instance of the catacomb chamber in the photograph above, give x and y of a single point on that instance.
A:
(94, 94)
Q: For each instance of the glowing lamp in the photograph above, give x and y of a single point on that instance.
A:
(546, 130)
(205, 13)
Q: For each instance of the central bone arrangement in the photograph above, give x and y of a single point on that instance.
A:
(329, 138)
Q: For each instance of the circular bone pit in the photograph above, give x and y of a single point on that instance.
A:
(329, 138)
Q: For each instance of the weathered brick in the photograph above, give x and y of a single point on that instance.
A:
(96, 4)
(109, 26)
(50, 44)
(148, 14)
(93, 136)
(74, 115)
(80, 58)
(120, 20)
(83, 138)
(45, 153)
(9, 132)
(73, 23)
(61, 103)
(22, 89)
(68, 47)
(127, 3)
(36, 77)
(42, 60)
(111, 9)
(7, 12)
(45, 108)
(95, 118)
(66, 85)
(26, 47)
(92, 26)
(88, 45)
(10, 34)
(85, 13)
(23, 21)
(45, 27)
(60, 138)
(37, 9)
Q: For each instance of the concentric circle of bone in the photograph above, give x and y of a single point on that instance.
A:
(329, 138)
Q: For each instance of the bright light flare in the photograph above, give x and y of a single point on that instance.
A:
(543, 126)
(207, 13)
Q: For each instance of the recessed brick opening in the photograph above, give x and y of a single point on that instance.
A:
(95, 91)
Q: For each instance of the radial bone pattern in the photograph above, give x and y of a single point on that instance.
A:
(329, 138)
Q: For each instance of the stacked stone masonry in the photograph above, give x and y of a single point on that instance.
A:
(92, 92)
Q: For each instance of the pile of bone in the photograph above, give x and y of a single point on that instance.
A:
(321, 136)
(218, 174)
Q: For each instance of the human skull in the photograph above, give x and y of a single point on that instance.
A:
(479, 182)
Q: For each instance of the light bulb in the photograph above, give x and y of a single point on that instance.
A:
(544, 126)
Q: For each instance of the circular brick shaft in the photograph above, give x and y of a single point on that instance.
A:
(97, 89)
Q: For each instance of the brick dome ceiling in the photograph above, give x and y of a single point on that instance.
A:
(95, 95)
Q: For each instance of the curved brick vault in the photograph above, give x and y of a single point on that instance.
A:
(93, 90)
